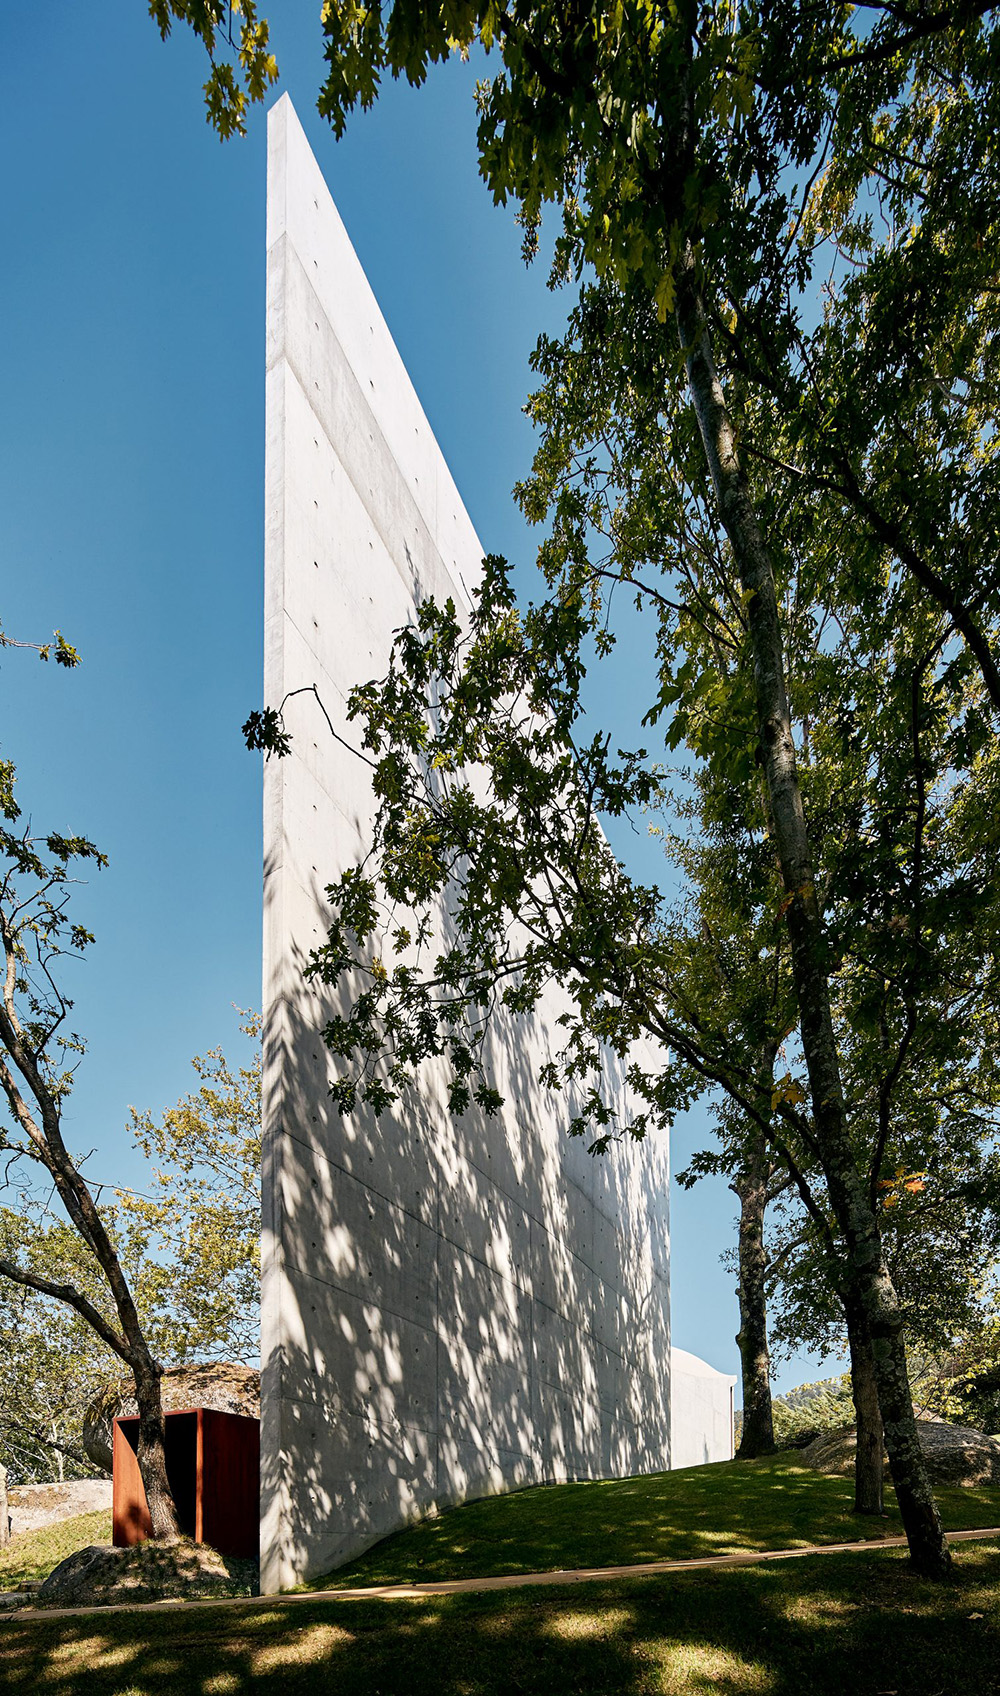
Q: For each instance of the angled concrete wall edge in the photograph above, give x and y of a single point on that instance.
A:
(701, 1411)
(449, 1306)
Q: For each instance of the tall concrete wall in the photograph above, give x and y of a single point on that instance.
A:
(449, 1307)
(701, 1411)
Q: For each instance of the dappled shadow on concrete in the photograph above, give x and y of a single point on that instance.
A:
(451, 1307)
(833, 1622)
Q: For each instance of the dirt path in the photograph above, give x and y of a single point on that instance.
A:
(510, 1581)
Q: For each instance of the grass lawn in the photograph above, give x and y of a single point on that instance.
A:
(33, 1554)
(774, 1503)
(816, 1627)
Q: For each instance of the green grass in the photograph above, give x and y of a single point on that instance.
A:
(819, 1626)
(775, 1503)
(32, 1555)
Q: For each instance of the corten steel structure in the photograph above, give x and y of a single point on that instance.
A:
(213, 1464)
(449, 1307)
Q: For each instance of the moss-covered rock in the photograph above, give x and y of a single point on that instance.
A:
(954, 1453)
(221, 1384)
(147, 1572)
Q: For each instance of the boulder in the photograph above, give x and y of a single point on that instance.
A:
(33, 1506)
(147, 1572)
(954, 1453)
(221, 1384)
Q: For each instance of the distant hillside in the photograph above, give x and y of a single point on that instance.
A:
(802, 1413)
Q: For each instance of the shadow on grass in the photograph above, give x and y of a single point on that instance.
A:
(727, 1508)
(860, 1622)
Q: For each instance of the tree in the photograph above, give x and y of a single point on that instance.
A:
(78, 1292)
(689, 282)
(37, 1059)
(736, 954)
(902, 882)
(941, 1251)
(907, 903)
(198, 1225)
(669, 139)
(54, 1363)
(189, 1245)
(809, 1409)
(963, 1383)
(38, 1051)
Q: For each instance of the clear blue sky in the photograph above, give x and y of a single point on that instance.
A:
(131, 468)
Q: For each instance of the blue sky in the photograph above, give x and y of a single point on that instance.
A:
(131, 468)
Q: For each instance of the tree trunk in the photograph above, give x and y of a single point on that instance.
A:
(45, 1144)
(757, 1437)
(867, 1278)
(151, 1450)
(4, 1512)
(870, 1455)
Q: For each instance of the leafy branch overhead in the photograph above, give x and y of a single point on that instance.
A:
(243, 67)
(58, 648)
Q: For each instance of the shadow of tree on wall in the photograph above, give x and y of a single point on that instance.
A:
(451, 1306)
(820, 1625)
(463, 1305)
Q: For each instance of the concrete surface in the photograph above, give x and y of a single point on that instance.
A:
(701, 1411)
(449, 1307)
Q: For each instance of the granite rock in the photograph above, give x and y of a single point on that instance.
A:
(147, 1572)
(955, 1454)
(221, 1384)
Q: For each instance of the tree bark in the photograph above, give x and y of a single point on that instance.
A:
(48, 1148)
(757, 1436)
(867, 1280)
(131, 1347)
(870, 1454)
(4, 1511)
(151, 1449)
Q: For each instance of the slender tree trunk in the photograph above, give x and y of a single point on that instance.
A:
(151, 1450)
(868, 1278)
(4, 1511)
(130, 1343)
(757, 1437)
(870, 1454)
(20, 1063)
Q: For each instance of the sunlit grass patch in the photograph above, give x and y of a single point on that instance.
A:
(576, 1626)
(300, 1645)
(732, 1507)
(31, 1555)
(102, 1654)
(89, 1648)
(695, 1667)
(817, 1611)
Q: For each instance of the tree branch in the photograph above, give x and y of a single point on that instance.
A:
(72, 1297)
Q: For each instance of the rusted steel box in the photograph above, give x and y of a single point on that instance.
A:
(213, 1465)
